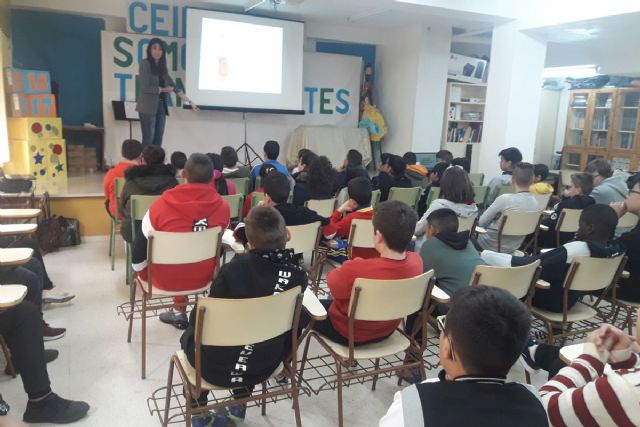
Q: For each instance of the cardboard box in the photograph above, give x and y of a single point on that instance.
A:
(466, 68)
(43, 159)
(21, 105)
(27, 81)
(34, 128)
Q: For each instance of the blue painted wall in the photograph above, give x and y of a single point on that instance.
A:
(68, 46)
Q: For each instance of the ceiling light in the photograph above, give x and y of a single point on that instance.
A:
(575, 71)
(366, 14)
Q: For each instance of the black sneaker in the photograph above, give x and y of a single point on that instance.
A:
(50, 334)
(49, 356)
(528, 363)
(54, 409)
(177, 319)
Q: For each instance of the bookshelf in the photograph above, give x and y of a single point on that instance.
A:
(603, 123)
(464, 119)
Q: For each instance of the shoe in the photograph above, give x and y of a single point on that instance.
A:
(54, 409)
(411, 376)
(52, 297)
(50, 334)
(237, 412)
(211, 420)
(177, 319)
(528, 362)
(49, 356)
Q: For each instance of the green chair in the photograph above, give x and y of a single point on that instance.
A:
(323, 208)
(480, 194)
(118, 185)
(434, 193)
(375, 197)
(138, 207)
(505, 189)
(256, 197)
(242, 185)
(477, 179)
(235, 206)
(410, 196)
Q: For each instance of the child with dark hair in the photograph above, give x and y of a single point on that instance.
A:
(509, 157)
(444, 156)
(178, 159)
(463, 162)
(629, 288)
(393, 223)
(351, 167)
(267, 269)
(540, 174)
(480, 340)
(304, 161)
(319, 184)
(435, 176)
(416, 173)
(581, 186)
(222, 186)
(392, 176)
(231, 167)
(131, 151)
(271, 153)
(265, 170)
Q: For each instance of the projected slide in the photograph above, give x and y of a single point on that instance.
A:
(240, 57)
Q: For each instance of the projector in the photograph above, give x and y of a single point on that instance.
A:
(272, 3)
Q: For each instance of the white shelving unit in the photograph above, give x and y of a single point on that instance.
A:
(464, 119)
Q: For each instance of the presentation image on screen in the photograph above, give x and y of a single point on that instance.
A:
(243, 62)
(240, 57)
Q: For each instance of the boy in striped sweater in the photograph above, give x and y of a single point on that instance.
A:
(583, 394)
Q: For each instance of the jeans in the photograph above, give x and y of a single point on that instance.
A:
(27, 242)
(152, 126)
(29, 275)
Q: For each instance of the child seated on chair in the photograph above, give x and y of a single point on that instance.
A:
(509, 157)
(189, 207)
(265, 169)
(268, 268)
(596, 227)
(581, 186)
(392, 176)
(357, 207)
(131, 151)
(520, 200)
(178, 160)
(393, 222)
(484, 332)
(540, 174)
(629, 288)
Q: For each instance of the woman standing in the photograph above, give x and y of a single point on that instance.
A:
(155, 86)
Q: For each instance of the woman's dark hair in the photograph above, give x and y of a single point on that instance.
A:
(221, 183)
(455, 186)
(159, 68)
(321, 177)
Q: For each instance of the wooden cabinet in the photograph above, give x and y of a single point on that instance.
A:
(603, 123)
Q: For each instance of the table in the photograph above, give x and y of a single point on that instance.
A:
(569, 353)
(11, 257)
(12, 295)
(16, 229)
(19, 213)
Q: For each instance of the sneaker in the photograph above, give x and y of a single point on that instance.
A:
(238, 412)
(177, 319)
(49, 356)
(50, 334)
(54, 409)
(526, 360)
(211, 420)
(53, 297)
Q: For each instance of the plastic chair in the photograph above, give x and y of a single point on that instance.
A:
(378, 300)
(434, 193)
(543, 200)
(568, 222)
(323, 208)
(467, 223)
(161, 249)
(306, 238)
(518, 281)
(242, 185)
(477, 179)
(628, 220)
(410, 196)
(235, 202)
(375, 197)
(138, 207)
(587, 274)
(225, 323)
(480, 194)
(118, 185)
(520, 223)
(505, 189)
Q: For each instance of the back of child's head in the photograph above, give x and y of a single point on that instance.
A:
(541, 170)
(308, 157)
(359, 189)
(444, 156)
(216, 160)
(410, 158)
(178, 159)
(302, 151)
(131, 149)
(153, 155)
(384, 158)
(229, 157)
(321, 176)
(523, 174)
(511, 154)
(355, 172)
(488, 328)
(439, 169)
(455, 186)
(397, 165)
(265, 170)
(463, 162)
(354, 158)
(599, 221)
(396, 221)
(600, 167)
(272, 149)
(583, 181)
(198, 169)
(444, 220)
(265, 228)
(276, 186)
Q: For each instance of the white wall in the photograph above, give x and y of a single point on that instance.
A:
(612, 55)
(547, 125)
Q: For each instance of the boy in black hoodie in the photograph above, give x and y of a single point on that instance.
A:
(629, 288)
(581, 186)
(268, 268)
(392, 176)
(596, 229)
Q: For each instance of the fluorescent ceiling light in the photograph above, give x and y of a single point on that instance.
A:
(366, 14)
(575, 71)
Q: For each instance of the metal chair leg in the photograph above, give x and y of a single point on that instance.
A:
(144, 337)
(375, 377)
(339, 387)
(167, 401)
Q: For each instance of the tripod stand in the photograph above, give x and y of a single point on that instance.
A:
(249, 153)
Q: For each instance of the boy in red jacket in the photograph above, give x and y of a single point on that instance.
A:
(131, 151)
(393, 222)
(190, 207)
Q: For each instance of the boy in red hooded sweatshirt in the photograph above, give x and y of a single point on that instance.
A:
(190, 207)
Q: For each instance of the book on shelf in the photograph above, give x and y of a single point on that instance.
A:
(464, 134)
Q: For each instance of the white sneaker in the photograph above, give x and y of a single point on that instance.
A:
(50, 296)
